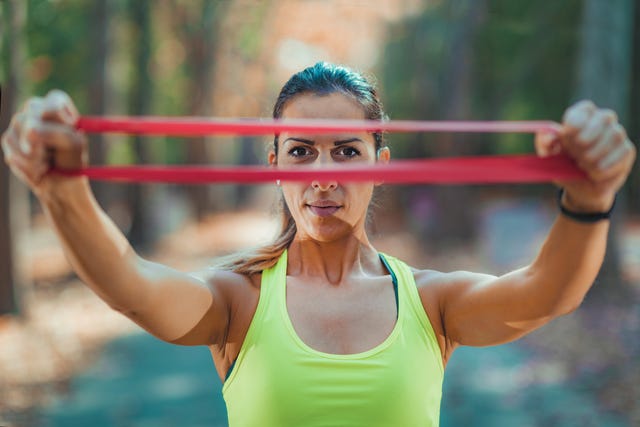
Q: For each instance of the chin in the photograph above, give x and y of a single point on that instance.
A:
(328, 234)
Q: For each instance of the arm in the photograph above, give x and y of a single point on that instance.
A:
(172, 305)
(485, 310)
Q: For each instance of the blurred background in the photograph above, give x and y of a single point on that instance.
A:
(66, 359)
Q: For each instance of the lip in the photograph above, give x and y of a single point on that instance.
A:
(323, 208)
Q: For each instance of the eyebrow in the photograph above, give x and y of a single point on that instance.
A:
(336, 143)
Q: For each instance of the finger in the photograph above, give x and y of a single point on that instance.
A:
(8, 147)
(577, 116)
(36, 160)
(547, 144)
(59, 107)
(597, 125)
(616, 164)
(17, 122)
(33, 106)
(26, 170)
(28, 135)
(624, 156)
(609, 141)
(60, 137)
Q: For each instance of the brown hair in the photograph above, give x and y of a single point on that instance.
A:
(323, 79)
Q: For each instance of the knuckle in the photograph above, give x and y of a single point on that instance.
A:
(34, 103)
(585, 104)
(608, 116)
(630, 152)
(4, 141)
(17, 121)
(619, 133)
(58, 98)
(56, 93)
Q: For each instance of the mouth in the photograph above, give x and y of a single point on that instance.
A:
(323, 208)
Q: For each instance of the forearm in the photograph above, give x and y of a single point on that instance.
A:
(98, 252)
(568, 263)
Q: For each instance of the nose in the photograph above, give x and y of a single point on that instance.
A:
(324, 185)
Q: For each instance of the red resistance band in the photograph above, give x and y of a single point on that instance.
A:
(201, 126)
(479, 170)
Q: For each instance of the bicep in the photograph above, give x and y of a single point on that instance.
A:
(182, 308)
(482, 310)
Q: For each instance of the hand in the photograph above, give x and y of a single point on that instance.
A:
(42, 136)
(599, 145)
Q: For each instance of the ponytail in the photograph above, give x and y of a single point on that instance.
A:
(254, 261)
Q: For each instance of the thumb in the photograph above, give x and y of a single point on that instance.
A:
(547, 144)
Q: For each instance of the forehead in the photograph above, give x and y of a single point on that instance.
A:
(331, 106)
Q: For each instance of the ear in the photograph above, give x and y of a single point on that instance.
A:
(384, 155)
(272, 158)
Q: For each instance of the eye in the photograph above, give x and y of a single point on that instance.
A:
(299, 151)
(348, 152)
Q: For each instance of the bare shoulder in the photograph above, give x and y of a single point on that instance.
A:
(432, 281)
(228, 285)
(435, 288)
(234, 299)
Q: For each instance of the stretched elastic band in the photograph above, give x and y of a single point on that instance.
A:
(201, 126)
(477, 170)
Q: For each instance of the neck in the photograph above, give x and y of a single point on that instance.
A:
(334, 262)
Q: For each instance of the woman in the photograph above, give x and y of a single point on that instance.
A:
(319, 328)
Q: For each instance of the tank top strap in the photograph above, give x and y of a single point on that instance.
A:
(408, 292)
(271, 284)
(274, 278)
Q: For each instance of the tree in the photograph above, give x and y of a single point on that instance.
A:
(140, 104)
(604, 76)
(99, 87)
(196, 25)
(438, 55)
(13, 198)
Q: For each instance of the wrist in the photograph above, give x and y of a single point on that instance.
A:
(585, 211)
(56, 191)
(602, 203)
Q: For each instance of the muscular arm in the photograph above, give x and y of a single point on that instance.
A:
(169, 304)
(484, 310)
(172, 305)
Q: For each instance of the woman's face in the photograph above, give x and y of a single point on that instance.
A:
(326, 210)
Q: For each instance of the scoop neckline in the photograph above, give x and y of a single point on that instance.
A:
(350, 356)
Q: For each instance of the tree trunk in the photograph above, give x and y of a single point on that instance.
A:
(633, 128)
(13, 196)
(453, 225)
(99, 89)
(604, 69)
(200, 44)
(140, 234)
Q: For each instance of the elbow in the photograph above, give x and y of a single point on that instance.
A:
(567, 307)
(122, 309)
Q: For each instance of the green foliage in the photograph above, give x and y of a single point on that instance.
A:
(58, 48)
(523, 63)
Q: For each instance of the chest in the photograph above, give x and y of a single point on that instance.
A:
(343, 319)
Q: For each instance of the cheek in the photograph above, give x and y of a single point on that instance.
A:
(292, 193)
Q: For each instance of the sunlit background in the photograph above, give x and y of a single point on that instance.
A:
(67, 360)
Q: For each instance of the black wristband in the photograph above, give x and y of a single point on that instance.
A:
(588, 217)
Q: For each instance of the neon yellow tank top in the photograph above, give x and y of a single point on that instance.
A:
(279, 381)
